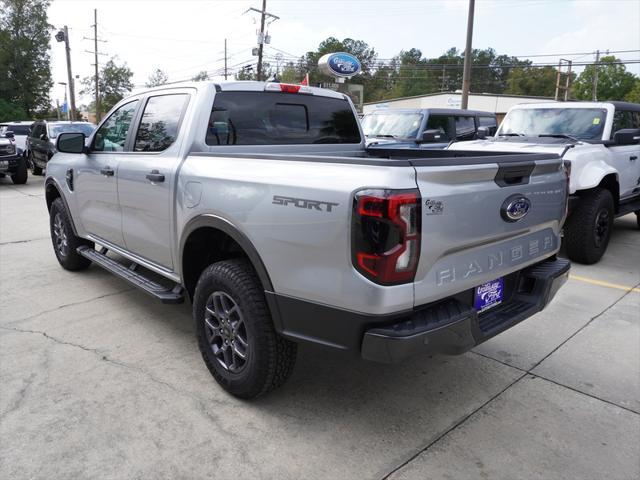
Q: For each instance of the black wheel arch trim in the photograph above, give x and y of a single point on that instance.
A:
(51, 183)
(219, 223)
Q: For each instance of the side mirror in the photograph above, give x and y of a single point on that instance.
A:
(44, 137)
(482, 133)
(431, 136)
(9, 134)
(71, 143)
(627, 136)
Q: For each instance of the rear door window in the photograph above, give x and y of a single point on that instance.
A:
(490, 123)
(160, 121)
(271, 118)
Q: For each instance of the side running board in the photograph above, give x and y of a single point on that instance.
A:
(162, 293)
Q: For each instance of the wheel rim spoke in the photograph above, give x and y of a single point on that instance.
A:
(226, 332)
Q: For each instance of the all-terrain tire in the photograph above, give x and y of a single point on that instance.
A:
(638, 217)
(588, 228)
(269, 358)
(21, 175)
(64, 241)
(34, 168)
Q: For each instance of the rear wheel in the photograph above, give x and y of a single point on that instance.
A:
(235, 332)
(65, 242)
(21, 174)
(588, 228)
(34, 168)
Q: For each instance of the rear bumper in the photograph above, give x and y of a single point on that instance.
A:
(450, 326)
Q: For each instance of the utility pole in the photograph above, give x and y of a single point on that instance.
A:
(594, 87)
(225, 58)
(95, 48)
(72, 95)
(96, 78)
(466, 74)
(261, 38)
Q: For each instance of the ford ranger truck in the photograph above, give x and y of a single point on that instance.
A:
(602, 145)
(260, 204)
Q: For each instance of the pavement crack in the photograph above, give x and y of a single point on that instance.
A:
(66, 305)
(22, 393)
(524, 373)
(197, 401)
(24, 241)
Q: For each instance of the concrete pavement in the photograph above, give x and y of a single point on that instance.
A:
(98, 380)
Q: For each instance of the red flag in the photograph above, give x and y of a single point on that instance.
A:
(305, 80)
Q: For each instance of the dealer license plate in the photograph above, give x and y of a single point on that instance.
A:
(489, 295)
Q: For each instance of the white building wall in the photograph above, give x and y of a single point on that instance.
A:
(488, 103)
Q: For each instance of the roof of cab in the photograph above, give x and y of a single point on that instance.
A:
(238, 86)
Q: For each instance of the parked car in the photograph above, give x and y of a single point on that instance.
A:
(259, 202)
(12, 162)
(602, 140)
(426, 128)
(20, 132)
(42, 140)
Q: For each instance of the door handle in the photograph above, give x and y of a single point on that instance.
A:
(107, 171)
(155, 176)
(633, 157)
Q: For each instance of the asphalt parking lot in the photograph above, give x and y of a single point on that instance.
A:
(98, 380)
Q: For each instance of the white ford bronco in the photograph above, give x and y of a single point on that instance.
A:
(602, 144)
(260, 203)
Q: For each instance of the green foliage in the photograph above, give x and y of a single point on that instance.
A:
(11, 111)
(532, 81)
(25, 71)
(200, 77)
(114, 83)
(157, 78)
(614, 82)
(634, 93)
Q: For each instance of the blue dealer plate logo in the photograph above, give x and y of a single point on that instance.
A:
(515, 208)
(489, 295)
(344, 64)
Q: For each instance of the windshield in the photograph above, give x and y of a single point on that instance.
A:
(582, 123)
(86, 128)
(392, 124)
(16, 129)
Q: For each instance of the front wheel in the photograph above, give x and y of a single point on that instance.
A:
(65, 242)
(588, 228)
(21, 174)
(235, 331)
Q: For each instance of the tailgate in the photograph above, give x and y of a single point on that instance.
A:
(484, 218)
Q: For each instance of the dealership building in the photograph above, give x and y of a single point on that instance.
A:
(488, 102)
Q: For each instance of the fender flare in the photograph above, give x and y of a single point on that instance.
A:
(219, 223)
(591, 174)
(50, 182)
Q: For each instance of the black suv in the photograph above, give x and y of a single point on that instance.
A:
(11, 160)
(42, 140)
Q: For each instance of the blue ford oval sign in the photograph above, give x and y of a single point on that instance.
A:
(515, 208)
(341, 64)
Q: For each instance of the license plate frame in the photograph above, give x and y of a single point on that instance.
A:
(488, 295)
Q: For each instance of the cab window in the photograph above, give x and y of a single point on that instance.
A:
(442, 123)
(160, 121)
(465, 128)
(112, 135)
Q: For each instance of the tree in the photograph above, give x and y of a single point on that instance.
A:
(200, 77)
(25, 70)
(11, 111)
(157, 78)
(532, 81)
(114, 83)
(614, 82)
(634, 94)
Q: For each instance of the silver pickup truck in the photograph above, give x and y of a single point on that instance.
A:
(260, 203)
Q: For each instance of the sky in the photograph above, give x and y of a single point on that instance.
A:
(183, 37)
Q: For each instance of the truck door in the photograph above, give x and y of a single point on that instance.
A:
(95, 176)
(146, 178)
(626, 158)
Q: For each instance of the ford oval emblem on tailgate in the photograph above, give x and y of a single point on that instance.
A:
(515, 208)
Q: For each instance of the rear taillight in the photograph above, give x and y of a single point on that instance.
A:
(385, 245)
